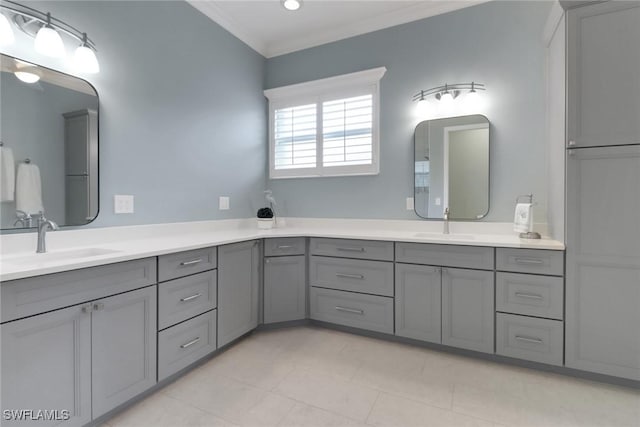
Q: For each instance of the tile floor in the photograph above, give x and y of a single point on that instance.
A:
(308, 376)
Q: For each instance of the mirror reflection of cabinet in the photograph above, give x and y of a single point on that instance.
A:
(452, 168)
(81, 164)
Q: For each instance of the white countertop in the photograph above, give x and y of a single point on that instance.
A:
(18, 259)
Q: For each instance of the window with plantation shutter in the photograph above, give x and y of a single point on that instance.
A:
(326, 127)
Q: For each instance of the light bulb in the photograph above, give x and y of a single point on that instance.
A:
(446, 98)
(48, 41)
(27, 75)
(84, 60)
(423, 107)
(6, 33)
(472, 99)
(292, 4)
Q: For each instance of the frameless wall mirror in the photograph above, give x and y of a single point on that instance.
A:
(452, 168)
(49, 152)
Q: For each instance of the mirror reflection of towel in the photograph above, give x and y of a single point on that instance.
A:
(7, 175)
(29, 189)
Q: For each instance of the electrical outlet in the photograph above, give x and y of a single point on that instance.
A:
(438, 201)
(223, 203)
(410, 205)
(122, 204)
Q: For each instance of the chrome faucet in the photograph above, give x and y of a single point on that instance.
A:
(445, 224)
(44, 225)
(23, 218)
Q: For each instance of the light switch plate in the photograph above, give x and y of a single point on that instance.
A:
(223, 203)
(410, 205)
(122, 204)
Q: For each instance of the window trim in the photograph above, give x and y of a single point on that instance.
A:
(319, 91)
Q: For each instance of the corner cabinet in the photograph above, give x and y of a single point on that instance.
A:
(238, 290)
(285, 290)
(603, 261)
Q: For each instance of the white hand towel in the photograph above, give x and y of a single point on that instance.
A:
(7, 175)
(29, 189)
(523, 218)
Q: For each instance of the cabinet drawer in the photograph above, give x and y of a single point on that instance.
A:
(284, 246)
(478, 257)
(181, 299)
(540, 296)
(369, 277)
(181, 264)
(362, 249)
(535, 261)
(539, 340)
(35, 295)
(186, 343)
(359, 311)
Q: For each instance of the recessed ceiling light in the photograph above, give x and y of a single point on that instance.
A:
(292, 4)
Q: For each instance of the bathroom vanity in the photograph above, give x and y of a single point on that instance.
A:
(92, 333)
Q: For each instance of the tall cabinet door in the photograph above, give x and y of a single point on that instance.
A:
(285, 288)
(46, 364)
(418, 302)
(603, 65)
(238, 280)
(124, 347)
(468, 303)
(603, 261)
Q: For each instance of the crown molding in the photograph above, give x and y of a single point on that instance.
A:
(211, 10)
(404, 15)
(407, 14)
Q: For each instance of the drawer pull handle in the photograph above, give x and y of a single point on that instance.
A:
(192, 297)
(529, 261)
(350, 310)
(97, 306)
(529, 339)
(350, 276)
(190, 343)
(351, 249)
(285, 247)
(193, 262)
(526, 295)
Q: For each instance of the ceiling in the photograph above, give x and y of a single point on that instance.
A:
(272, 30)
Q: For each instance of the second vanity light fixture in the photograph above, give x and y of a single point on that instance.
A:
(47, 30)
(291, 4)
(448, 92)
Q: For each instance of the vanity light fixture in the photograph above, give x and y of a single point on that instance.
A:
(47, 32)
(292, 4)
(447, 93)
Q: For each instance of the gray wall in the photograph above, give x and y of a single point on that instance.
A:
(497, 43)
(22, 105)
(182, 115)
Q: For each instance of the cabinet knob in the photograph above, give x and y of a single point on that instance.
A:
(572, 143)
(98, 306)
(87, 308)
(572, 153)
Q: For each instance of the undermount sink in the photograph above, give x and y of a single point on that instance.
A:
(443, 236)
(57, 256)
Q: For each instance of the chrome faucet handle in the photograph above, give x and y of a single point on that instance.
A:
(446, 214)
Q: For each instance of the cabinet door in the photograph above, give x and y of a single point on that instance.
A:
(46, 365)
(285, 289)
(468, 309)
(238, 278)
(603, 261)
(124, 347)
(603, 68)
(418, 302)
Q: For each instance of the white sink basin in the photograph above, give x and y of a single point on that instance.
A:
(443, 236)
(57, 256)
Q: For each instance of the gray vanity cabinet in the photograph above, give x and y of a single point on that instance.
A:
(238, 283)
(285, 296)
(603, 261)
(603, 64)
(468, 309)
(46, 364)
(123, 348)
(418, 302)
